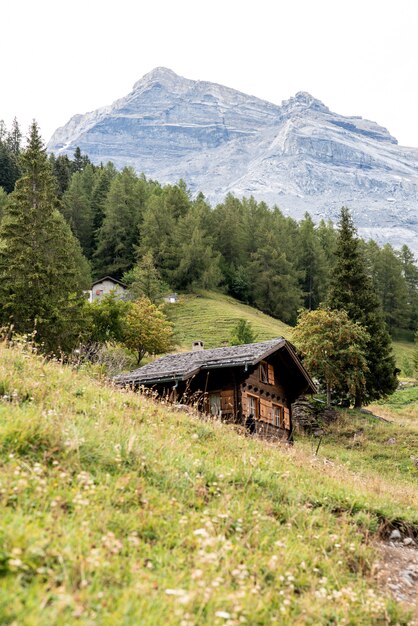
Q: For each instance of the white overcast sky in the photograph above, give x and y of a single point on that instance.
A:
(359, 57)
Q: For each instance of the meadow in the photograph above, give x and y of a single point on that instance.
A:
(211, 317)
(116, 509)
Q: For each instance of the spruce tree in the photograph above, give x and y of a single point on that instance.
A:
(42, 270)
(144, 280)
(352, 290)
(195, 262)
(4, 199)
(312, 263)
(77, 211)
(119, 233)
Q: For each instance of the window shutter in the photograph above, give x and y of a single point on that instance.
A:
(270, 374)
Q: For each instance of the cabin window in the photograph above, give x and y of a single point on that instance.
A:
(278, 416)
(264, 373)
(254, 406)
(215, 404)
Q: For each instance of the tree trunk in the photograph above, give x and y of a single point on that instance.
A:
(328, 395)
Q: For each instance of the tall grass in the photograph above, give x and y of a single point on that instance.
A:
(118, 510)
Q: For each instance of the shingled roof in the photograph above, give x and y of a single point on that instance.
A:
(183, 365)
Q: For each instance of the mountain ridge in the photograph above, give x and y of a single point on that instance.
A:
(298, 155)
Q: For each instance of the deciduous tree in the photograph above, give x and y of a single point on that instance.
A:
(333, 348)
(146, 329)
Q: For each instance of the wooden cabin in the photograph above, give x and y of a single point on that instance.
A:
(253, 384)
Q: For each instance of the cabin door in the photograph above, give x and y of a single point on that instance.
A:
(215, 404)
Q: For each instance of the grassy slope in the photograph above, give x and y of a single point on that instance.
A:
(211, 316)
(373, 447)
(116, 510)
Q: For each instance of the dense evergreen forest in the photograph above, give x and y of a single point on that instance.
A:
(243, 247)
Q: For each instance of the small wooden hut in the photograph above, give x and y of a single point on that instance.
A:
(253, 384)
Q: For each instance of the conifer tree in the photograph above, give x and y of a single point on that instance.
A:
(195, 262)
(42, 270)
(118, 236)
(14, 138)
(77, 212)
(275, 281)
(312, 263)
(9, 156)
(410, 275)
(242, 333)
(4, 199)
(99, 193)
(352, 291)
(62, 169)
(144, 280)
(80, 161)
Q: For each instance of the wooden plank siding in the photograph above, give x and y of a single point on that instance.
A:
(268, 396)
(227, 403)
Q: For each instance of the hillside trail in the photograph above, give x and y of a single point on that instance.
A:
(397, 574)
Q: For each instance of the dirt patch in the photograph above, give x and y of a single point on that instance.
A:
(397, 574)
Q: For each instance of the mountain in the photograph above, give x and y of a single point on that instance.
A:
(299, 155)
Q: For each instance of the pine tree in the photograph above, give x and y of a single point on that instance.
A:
(99, 194)
(415, 355)
(9, 156)
(144, 280)
(390, 285)
(312, 263)
(42, 270)
(4, 199)
(352, 291)
(410, 275)
(77, 211)
(119, 234)
(14, 139)
(195, 262)
(275, 281)
(80, 161)
(242, 333)
(62, 170)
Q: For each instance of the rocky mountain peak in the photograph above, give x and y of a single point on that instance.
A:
(300, 155)
(304, 100)
(161, 75)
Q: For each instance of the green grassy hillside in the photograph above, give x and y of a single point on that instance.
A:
(376, 447)
(118, 510)
(211, 316)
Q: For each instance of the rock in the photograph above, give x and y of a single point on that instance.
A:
(299, 155)
(395, 535)
(408, 541)
(391, 441)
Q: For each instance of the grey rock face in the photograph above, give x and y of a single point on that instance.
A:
(300, 155)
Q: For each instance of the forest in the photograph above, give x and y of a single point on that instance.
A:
(242, 247)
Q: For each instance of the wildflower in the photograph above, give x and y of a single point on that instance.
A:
(175, 592)
(223, 614)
